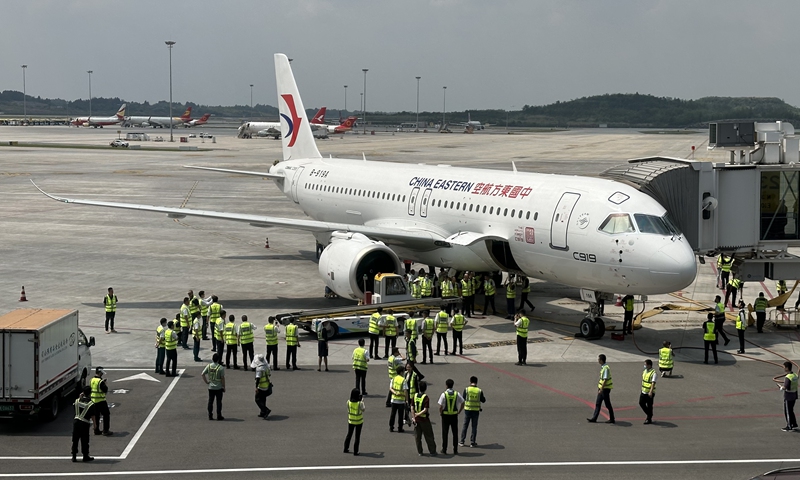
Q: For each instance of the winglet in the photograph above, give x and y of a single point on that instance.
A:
(58, 199)
(513, 166)
(297, 138)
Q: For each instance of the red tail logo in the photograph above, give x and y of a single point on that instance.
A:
(319, 118)
(187, 114)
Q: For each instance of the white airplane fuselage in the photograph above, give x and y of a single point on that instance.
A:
(551, 221)
(154, 121)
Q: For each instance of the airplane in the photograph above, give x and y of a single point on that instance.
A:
(197, 121)
(100, 121)
(270, 129)
(318, 123)
(160, 122)
(594, 234)
(345, 126)
(475, 124)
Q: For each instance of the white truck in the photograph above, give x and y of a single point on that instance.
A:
(45, 357)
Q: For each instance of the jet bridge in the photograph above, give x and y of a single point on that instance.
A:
(747, 207)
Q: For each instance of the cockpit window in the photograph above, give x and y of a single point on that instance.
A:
(658, 225)
(617, 223)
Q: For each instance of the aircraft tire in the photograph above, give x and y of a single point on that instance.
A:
(600, 327)
(587, 328)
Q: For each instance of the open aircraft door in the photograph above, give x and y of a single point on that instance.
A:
(295, 182)
(560, 221)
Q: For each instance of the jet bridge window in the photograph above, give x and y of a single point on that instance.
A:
(780, 195)
(617, 223)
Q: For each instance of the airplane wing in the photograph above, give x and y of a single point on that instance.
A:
(391, 236)
(238, 172)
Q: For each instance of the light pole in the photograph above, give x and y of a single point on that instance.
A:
(170, 43)
(365, 70)
(444, 105)
(251, 96)
(24, 106)
(345, 99)
(362, 104)
(90, 92)
(512, 106)
(416, 127)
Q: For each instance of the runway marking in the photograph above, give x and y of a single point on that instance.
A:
(133, 441)
(736, 394)
(711, 417)
(322, 468)
(700, 399)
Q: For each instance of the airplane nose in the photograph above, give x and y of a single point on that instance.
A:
(674, 265)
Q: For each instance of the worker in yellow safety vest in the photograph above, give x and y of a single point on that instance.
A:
(394, 361)
(390, 329)
(649, 377)
(719, 319)
(457, 322)
(734, 285)
(292, 344)
(215, 316)
(780, 286)
(741, 325)
(246, 333)
(789, 388)
(160, 351)
(271, 331)
(110, 303)
(428, 326)
(489, 290)
(426, 285)
(604, 386)
(760, 306)
(375, 333)
(204, 305)
(467, 295)
(398, 388)
(666, 358)
(416, 289)
(627, 316)
(473, 397)
(442, 322)
(186, 323)
(411, 324)
(171, 349)
(355, 420)
(511, 297)
(522, 324)
(710, 336)
(360, 366)
(98, 396)
(724, 265)
(82, 424)
(232, 343)
(197, 335)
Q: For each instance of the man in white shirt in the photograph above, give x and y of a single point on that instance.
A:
(451, 403)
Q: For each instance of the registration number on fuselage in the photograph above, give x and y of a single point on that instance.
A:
(584, 257)
(318, 173)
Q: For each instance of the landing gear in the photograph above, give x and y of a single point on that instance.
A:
(593, 327)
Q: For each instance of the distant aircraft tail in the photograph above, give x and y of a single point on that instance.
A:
(319, 118)
(297, 139)
(349, 122)
(205, 117)
(187, 115)
(121, 111)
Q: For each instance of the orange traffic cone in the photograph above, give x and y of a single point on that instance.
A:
(266, 242)
(22, 295)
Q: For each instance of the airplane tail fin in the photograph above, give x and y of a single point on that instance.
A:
(121, 111)
(319, 118)
(297, 138)
(205, 117)
(187, 114)
(350, 122)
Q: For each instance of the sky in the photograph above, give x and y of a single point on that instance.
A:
(499, 54)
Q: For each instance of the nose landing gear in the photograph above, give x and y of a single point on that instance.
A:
(593, 327)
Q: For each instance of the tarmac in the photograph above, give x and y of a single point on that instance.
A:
(718, 421)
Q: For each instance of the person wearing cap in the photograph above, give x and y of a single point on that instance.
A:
(741, 325)
(760, 306)
(710, 337)
(160, 349)
(420, 414)
(84, 411)
(271, 331)
(789, 388)
(99, 389)
(263, 384)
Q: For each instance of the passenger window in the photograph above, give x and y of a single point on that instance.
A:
(393, 197)
(484, 209)
(470, 207)
(527, 215)
(465, 206)
(458, 206)
(404, 198)
(425, 201)
(505, 212)
(536, 215)
(440, 203)
(512, 212)
(617, 223)
(491, 210)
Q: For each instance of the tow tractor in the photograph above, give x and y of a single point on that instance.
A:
(391, 292)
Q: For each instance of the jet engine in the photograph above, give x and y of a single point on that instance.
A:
(350, 262)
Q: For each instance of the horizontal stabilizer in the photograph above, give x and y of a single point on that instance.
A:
(238, 172)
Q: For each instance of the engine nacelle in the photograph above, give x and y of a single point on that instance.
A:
(349, 258)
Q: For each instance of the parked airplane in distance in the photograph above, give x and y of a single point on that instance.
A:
(100, 121)
(318, 123)
(269, 129)
(598, 235)
(197, 121)
(475, 124)
(159, 122)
